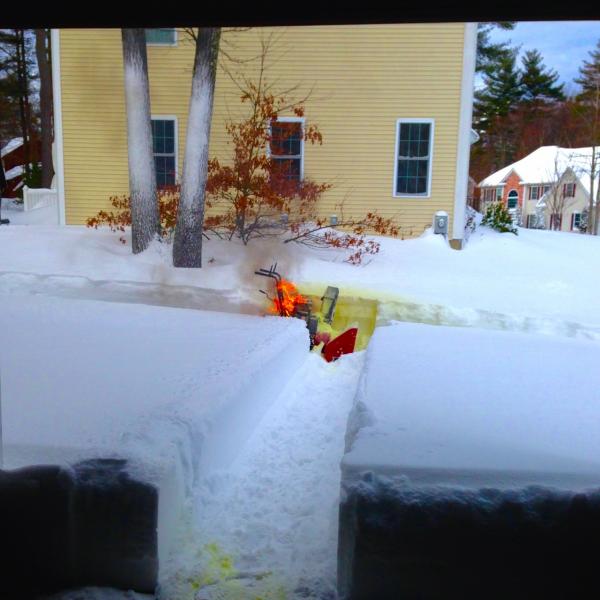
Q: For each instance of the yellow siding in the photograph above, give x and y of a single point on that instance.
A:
(362, 77)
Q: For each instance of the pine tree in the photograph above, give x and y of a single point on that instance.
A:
(488, 54)
(589, 113)
(538, 83)
(502, 91)
(589, 78)
(17, 70)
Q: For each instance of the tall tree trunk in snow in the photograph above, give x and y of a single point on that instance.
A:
(145, 221)
(24, 110)
(42, 50)
(591, 208)
(187, 245)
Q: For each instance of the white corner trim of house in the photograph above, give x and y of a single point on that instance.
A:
(58, 157)
(465, 130)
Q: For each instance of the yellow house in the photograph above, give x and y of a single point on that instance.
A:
(392, 101)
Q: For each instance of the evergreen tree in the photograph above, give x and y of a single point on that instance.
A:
(589, 113)
(17, 70)
(537, 81)
(502, 91)
(589, 78)
(488, 53)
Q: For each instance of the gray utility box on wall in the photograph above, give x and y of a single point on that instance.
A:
(440, 222)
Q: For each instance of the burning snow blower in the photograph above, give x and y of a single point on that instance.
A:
(290, 303)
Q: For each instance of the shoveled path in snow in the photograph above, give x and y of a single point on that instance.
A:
(275, 511)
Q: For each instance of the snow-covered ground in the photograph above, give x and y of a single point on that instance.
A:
(13, 211)
(456, 405)
(267, 521)
(535, 275)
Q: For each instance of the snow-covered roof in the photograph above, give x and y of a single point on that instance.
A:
(12, 145)
(14, 172)
(542, 165)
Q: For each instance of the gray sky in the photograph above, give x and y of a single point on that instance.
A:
(564, 44)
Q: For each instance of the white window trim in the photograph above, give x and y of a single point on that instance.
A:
(164, 45)
(291, 157)
(430, 166)
(171, 118)
(575, 227)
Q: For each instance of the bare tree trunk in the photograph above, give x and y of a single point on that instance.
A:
(145, 221)
(592, 211)
(42, 51)
(24, 111)
(187, 244)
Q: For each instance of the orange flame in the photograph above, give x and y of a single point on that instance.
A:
(291, 298)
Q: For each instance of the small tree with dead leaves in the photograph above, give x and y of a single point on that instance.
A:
(260, 193)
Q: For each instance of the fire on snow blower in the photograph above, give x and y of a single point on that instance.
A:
(290, 303)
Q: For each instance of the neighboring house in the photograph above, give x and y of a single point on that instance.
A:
(13, 159)
(393, 103)
(548, 189)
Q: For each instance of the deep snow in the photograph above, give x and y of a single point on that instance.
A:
(458, 406)
(278, 497)
(544, 275)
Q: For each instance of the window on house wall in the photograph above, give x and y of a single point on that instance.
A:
(575, 221)
(161, 37)
(568, 190)
(513, 199)
(534, 192)
(287, 147)
(499, 192)
(414, 145)
(545, 189)
(531, 221)
(165, 150)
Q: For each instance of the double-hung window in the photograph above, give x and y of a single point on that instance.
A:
(568, 190)
(287, 147)
(161, 37)
(534, 192)
(414, 146)
(576, 221)
(164, 141)
(488, 194)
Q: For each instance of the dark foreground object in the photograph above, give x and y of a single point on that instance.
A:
(429, 543)
(89, 525)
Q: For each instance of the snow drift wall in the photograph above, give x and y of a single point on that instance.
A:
(472, 466)
(173, 393)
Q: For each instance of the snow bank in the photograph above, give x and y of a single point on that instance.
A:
(176, 392)
(455, 405)
(474, 451)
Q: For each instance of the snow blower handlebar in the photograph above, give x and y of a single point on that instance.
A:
(273, 274)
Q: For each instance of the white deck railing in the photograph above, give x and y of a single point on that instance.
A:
(34, 198)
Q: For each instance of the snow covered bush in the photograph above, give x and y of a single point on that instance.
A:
(472, 221)
(120, 218)
(497, 217)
